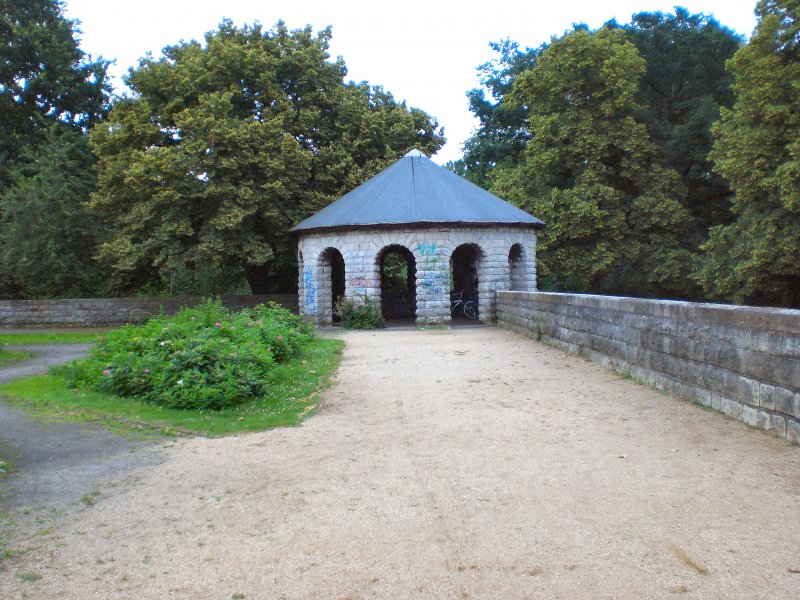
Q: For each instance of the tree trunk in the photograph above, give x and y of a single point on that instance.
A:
(258, 278)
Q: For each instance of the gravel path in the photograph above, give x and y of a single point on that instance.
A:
(467, 463)
(59, 462)
(45, 355)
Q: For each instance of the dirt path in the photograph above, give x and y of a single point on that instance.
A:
(445, 464)
(59, 462)
(44, 356)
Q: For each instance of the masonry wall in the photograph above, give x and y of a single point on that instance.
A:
(741, 361)
(432, 248)
(98, 312)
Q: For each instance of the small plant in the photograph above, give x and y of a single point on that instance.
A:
(364, 315)
(30, 577)
(91, 498)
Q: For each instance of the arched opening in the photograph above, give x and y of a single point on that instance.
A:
(516, 268)
(464, 264)
(332, 283)
(398, 273)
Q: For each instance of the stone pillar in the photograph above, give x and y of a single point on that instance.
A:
(433, 283)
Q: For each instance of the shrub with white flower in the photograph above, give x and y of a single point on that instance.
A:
(202, 358)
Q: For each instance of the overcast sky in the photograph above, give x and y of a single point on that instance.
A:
(422, 52)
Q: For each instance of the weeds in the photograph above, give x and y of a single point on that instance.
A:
(364, 315)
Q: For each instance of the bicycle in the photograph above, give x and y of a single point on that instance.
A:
(468, 308)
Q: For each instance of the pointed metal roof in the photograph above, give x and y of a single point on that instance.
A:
(415, 190)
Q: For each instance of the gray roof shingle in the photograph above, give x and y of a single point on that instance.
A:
(415, 190)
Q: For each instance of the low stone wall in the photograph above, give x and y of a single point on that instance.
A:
(100, 312)
(742, 361)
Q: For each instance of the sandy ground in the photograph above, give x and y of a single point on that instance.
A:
(466, 463)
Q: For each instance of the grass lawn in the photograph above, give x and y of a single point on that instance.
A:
(71, 337)
(289, 400)
(8, 357)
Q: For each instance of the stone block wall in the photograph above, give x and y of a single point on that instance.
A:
(432, 248)
(100, 312)
(741, 361)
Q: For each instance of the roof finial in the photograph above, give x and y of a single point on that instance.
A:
(415, 153)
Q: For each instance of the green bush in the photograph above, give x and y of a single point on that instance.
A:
(200, 358)
(366, 315)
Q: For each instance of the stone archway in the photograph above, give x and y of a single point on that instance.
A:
(517, 268)
(398, 282)
(331, 284)
(465, 270)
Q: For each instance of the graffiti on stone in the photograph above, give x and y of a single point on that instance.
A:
(427, 249)
(310, 286)
(432, 274)
(359, 285)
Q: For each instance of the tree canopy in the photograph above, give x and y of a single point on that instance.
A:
(44, 77)
(673, 88)
(756, 258)
(680, 94)
(588, 171)
(51, 93)
(48, 235)
(223, 146)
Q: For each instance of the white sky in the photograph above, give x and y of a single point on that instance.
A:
(422, 52)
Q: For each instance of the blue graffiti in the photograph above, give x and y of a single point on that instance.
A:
(310, 286)
(426, 249)
(433, 282)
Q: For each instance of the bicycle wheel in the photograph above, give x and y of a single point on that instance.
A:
(470, 310)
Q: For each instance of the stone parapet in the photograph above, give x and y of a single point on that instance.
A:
(100, 312)
(740, 360)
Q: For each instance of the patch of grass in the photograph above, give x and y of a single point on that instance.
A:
(290, 398)
(69, 337)
(9, 357)
(91, 498)
(6, 552)
(6, 467)
(30, 577)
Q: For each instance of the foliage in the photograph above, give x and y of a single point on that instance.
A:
(48, 236)
(44, 77)
(501, 136)
(50, 92)
(8, 357)
(225, 145)
(684, 85)
(757, 149)
(201, 358)
(589, 171)
(676, 97)
(360, 315)
(289, 398)
(394, 273)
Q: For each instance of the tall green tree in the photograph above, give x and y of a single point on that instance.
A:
(756, 259)
(589, 170)
(683, 87)
(501, 135)
(44, 77)
(49, 236)
(223, 146)
(49, 88)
